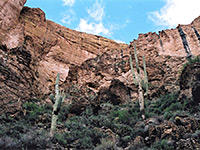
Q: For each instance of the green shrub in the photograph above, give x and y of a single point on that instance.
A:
(121, 115)
(81, 132)
(35, 111)
(105, 144)
(166, 103)
(162, 145)
(21, 135)
(168, 115)
(173, 107)
(123, 130)
(196, 134)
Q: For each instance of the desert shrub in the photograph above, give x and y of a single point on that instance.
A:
(34, 112)
(123, 130)
(63, 113)
(162, 145)
(167, 104)
(18, 134)
(196, 134)
(87, 130)
(170, 115)
(79, 135)
(139, 146)
(105, 144)
(126, 113)
(122, 115)
(26, 130)
(163, 102)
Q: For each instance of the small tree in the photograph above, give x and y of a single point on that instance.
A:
(57, 101)
(141, 83)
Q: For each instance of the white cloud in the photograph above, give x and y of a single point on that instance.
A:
(94, 22)
(119, 41)
(93, 28)
(96, 11)
(176, 12)
(68, 16)
(68, 2)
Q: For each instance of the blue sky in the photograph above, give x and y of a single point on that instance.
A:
(120, 20)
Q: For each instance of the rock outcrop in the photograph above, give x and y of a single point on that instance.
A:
(16, 78)
(34, 50)
(56, 48)
(190, 83)
(179, 134)
(10, 12)
(164, 54)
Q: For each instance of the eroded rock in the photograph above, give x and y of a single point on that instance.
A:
(190, 83)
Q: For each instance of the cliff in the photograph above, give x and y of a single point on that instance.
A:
(34, 49)
(165, 56)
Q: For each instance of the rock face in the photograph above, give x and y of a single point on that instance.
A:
(9, 13)
(164, 54)
(16, 78)
(34, 49)
(56, 48)
(190, 83)
(11, 31)
(180, 133)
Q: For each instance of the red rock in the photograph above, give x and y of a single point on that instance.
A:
(33, 50)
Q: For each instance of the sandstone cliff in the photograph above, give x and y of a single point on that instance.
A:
(34, 49)
(165, 56)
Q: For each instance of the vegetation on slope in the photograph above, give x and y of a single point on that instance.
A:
(112, 126)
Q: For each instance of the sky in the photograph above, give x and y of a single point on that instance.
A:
(119, 20)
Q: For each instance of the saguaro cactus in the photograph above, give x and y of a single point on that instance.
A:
(146, 86)
(142, 83)
(57, 100)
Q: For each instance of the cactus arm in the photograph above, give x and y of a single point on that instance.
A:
(141, 98)
(145, 76)
(136, 59)
(132, 70)
(63, 96)
(57, 85)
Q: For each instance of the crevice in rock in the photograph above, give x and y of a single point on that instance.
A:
(185, 42)
(161, 43)
(197, 34)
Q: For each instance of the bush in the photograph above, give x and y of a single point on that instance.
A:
(34, 112)
(79, 136)
(162, 145)
(20, 135)
(121, 115)
(105, 144)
